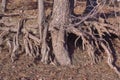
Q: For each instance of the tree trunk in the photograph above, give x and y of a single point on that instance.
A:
(41, 14)
(43, 29)
(3, 5)
(60, 18)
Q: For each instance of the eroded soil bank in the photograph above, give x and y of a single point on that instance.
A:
(25, 68)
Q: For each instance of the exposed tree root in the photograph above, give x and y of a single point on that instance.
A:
(110, 59)
(15, 48)
(9, 44)
(91, 42)
(19, 40)
(45, 49)
(2, 35)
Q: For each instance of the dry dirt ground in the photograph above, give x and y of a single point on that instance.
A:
(25, 68)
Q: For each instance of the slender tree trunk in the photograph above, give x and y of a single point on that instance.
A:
(3, 5)
(43, 29)
(41, 14)
(60, 19)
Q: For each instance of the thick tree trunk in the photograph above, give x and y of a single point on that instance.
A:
(60, 19)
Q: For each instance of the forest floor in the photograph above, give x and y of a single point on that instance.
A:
(25, 68)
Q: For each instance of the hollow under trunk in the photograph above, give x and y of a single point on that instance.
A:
(60, 19)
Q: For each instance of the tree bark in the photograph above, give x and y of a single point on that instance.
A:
(57, 27)
(43, 31)
(3, 5)
(41, 16)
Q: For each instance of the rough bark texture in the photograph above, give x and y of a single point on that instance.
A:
(60, 18)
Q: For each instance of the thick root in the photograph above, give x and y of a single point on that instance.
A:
(110, 59)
